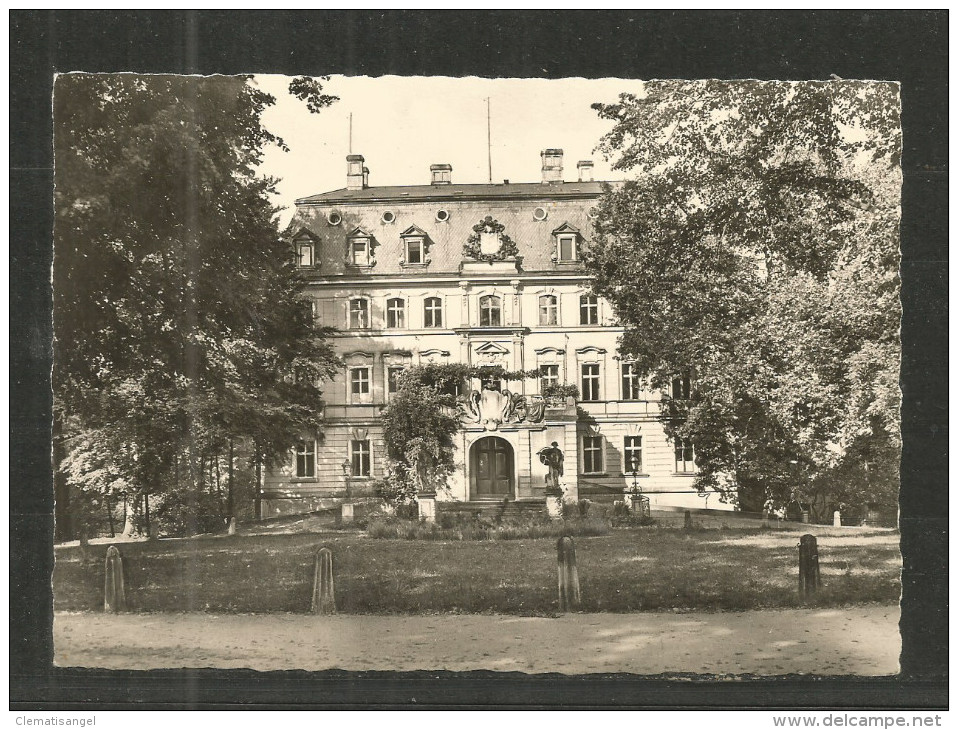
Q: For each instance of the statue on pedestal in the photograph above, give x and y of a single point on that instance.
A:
(552, 457)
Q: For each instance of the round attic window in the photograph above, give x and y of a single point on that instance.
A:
(388, 216)
(539, 214)
(442, 215)
(334, 217)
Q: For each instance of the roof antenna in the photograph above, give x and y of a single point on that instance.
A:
(489, 136)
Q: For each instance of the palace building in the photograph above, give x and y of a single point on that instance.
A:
(482, 274)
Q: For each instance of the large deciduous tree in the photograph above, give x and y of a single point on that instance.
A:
(755, 247)
(181, 328)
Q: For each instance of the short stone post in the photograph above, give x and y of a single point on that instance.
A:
(427, 506)
(805, 517)
(809, 578)
(765, 518)
(837, 519)
(231, 527)
(569, 597)
(688, 520)
(114, 594)
(324, 591)
(348, 513)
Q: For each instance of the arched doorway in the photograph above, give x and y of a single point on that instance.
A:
(491, 469)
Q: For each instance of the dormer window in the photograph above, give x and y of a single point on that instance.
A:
(305, 249)
(414, 247)
(359, 248)
(304, 254)
(567, 240)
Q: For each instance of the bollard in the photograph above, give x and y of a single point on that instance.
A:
(569, 596)
(231, 526)
(837, 519)
(809, 577)
(688, 520)
(324, 592)
(114, 594)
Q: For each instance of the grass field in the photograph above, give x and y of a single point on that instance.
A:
(650, 568)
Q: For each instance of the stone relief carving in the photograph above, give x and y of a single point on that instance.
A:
(491, 409)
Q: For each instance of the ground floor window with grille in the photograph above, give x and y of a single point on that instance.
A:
(591, 454)
(361, 460)
(305, 458)
(633, 454)
(684, 456)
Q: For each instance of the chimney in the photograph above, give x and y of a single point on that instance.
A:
(355, 172)
(441, 173)
(551, 166)
(585, 170)
(365, 176)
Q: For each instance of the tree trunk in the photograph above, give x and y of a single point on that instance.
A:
(109, 515)
(229, 484)
(257, 504)
(146, 515)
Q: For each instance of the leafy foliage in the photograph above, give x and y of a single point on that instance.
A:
(180, 323)
(419, 424)
(756, 247)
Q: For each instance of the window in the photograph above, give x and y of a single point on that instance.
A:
(490, 311)
(632, 452)
(684, 456)
(567, 247)
(432, 312)
(491, 382)
(361, 462)
(359, 251)
(590, 381)
(359, 314)
(393, 374)
(359, 381)
(548, 310)
(588, 309)
(395, 313)
(630, 381)
(681, 387)
(592, 454)
(305, 458)
(414, 251)
(304, 255)
(548, 376)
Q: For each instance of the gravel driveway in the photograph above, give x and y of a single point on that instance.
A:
(862, 640)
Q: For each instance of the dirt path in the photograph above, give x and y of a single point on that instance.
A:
(859, 640)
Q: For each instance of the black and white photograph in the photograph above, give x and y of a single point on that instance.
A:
(411, 373)
(470, 360)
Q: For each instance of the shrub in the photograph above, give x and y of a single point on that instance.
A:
(458, 526)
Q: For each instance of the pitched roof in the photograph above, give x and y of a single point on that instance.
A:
(485, 191)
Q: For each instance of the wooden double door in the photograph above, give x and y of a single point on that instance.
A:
(492, 469)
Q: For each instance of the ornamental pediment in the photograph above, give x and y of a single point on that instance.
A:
(491, 348)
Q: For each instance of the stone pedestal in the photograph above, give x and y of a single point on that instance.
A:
(347, 514)
(554, 505)
(427, 507)
(640, 505)
(837, 519)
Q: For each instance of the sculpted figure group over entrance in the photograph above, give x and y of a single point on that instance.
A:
(492, 408)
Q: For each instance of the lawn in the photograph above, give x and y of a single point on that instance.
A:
(636, 569)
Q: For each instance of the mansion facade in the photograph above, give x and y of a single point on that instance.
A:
(481, 274)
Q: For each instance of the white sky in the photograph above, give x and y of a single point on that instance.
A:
(402, 124)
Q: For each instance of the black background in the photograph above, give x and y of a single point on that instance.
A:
(906, 46)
